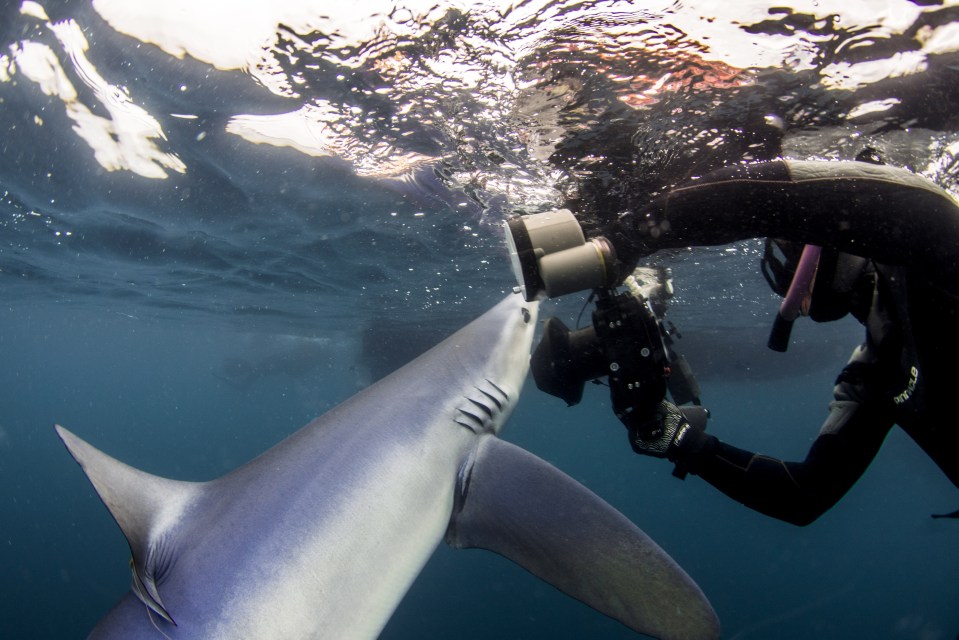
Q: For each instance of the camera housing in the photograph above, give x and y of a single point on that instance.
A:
(625, 343)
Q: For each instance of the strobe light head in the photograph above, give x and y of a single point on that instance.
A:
(551, 257)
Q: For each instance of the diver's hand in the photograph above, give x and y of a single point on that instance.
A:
(664, 435)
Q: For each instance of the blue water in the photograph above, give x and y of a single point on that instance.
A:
(186, 323)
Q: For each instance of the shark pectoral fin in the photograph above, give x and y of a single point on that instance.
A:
(525, 509)
(145, 506)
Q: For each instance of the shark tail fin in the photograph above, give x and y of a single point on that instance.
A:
(521, 507)
(143, 505)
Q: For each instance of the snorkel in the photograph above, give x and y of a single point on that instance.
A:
(799, 292)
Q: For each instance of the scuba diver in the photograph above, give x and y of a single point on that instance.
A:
(850, 237)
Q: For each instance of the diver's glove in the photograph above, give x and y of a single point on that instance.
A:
(679, 435)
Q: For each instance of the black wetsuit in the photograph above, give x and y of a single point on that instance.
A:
(900, 375)
(894, 377)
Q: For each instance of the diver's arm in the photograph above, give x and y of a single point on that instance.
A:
(885, 213)
(798, 492)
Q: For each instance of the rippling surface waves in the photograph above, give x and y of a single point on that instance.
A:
(218, 218)
(300, 160)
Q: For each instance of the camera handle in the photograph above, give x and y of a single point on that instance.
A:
(640, 367)
(635, 353)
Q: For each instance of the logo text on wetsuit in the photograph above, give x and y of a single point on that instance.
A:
(910, 387)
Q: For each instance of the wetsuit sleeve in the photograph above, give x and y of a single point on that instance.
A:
(799, 492)
(885, 213)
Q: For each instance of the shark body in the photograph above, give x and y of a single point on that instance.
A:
(322, 535)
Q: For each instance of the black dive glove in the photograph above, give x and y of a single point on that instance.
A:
(671, 433)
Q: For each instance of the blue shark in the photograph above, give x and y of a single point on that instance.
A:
(322, 535)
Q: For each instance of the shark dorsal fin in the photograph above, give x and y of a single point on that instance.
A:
(144, 505)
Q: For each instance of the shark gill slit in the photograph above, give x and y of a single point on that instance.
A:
(477, 428)
(495, 386)
(486, 410)
(494, 399)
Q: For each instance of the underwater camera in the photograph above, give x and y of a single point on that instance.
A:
(624, 343)
(627, 342)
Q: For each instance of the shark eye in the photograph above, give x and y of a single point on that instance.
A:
(526, 315)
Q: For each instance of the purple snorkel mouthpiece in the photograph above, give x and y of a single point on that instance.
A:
(799, 290)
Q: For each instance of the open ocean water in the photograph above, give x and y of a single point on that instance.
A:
(219, 219)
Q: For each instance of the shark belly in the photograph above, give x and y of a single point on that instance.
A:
(392, 516)
(337, 492)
